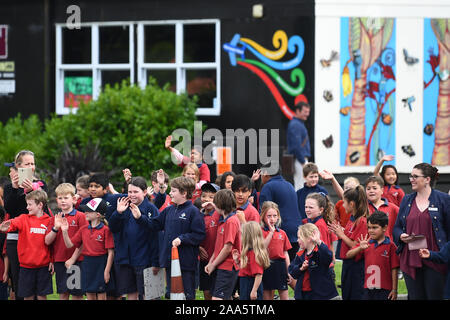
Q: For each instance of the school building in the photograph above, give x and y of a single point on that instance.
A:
(375, 72)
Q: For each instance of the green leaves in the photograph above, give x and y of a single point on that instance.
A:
(128, 124)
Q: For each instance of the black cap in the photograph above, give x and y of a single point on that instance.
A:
(95, 205)
(210, 187)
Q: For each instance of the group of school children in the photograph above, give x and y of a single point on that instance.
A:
(99, 242)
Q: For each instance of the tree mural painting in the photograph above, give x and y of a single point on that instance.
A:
(439, 65)
(374, 84)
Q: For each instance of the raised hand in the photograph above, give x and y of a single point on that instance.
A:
(127, 175)
(64, 224)
(168, 142)
(256, 174)
(14, 175)
(135, 211)
(58, 220)
(5, 226)
(122, 204)
(316, 238)
(326, 175)
(364, 241)
(387, 157)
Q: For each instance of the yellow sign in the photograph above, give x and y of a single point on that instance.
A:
(7, 66)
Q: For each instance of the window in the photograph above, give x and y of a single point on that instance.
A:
(185, 54)
(89, 58)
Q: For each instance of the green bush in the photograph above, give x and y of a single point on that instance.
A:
(126, 123)
(18, 134)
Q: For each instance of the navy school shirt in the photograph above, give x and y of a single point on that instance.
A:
(322, 284)
(135, 244)
(283, 194)
(180, 221)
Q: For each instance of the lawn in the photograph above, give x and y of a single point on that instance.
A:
(337, 269)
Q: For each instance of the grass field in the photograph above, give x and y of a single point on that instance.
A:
(337, 269)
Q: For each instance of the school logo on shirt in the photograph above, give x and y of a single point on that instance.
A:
(149, 214)
(212, 224)
(183, 216)
(73, 224)
(221, 230)
(99, 238)
(385, 254)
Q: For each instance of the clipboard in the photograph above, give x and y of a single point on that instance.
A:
(417, 242)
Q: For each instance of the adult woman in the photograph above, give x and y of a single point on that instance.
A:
(425, 212)
(15, 205)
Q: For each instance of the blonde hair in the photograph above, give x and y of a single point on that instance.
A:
(350, 179)
(265, 207)
(20, 154)
(194, 167)
(65, 188)
(252, 238)
(307, 230)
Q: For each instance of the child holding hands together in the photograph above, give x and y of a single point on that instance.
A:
(311, 266)
(98, 248)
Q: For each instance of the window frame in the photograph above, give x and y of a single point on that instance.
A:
(95, 66)
(179, 65)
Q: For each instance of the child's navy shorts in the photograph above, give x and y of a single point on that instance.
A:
(224, 282)
(34, 282)
(206, 281)
(61, 277)
(275, 276)
(129, 279)
(93, 274)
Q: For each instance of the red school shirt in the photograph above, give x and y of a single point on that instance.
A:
(354, 230)
(342, 215)
(96, 241)
(394, 194)
(390, 209)
(76, 220)
(278, 244)
(211, 223)
(31, 248)
(379, 260)
(228, 231)
(252, 268)
(250, 212)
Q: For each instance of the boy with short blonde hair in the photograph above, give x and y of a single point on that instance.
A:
(63, 257)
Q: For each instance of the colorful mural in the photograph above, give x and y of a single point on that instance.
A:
(436, 95)
(268, 62)
(367, 98)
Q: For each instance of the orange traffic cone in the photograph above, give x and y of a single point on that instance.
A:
(176, 282)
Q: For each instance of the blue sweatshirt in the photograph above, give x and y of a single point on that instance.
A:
(283, 194)
(135, 244)
(322, 284)
(303, 193)
(298, 140)
(185, 222)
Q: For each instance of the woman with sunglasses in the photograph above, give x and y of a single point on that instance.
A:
(423, 222)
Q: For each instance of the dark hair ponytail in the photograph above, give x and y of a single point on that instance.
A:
(428, 171)
(359, 198)
(323, 201)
